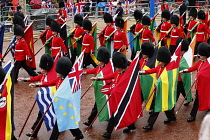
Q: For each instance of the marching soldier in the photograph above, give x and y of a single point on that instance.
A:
(183, 9)
(191, 23)
(19, 12)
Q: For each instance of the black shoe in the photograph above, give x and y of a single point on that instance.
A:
(148, 127)
(187, 103)
(127, 130)
(79, 137)
(169, 120)
(106, 135)
(30, 135)
(87, 123)
(191, 119)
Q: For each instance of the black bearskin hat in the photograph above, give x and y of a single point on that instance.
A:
(55, 26)
(103, 55)
(193, 12)
(2, 75)
(201, 15)
(182, 8)
(87, 25)
(185, 44)
(18, 30)
(119, 60)
(63, 66)
(18, 20)
(46, 62)
(49, 20)
(165, 14)
(108, 18)
(119, 22)
(19, 7)
(138, 15)
(78, 19)
(147, 48)
(146, 20)
(61, 4)
(164, 55)
(175, 20)
(204, 49)
(119, 3)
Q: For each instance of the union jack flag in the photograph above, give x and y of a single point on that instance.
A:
(75, 76)
(78, 7)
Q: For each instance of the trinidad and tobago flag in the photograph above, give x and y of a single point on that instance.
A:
(126, 97)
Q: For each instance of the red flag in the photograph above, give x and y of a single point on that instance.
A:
(126, 98)
(28, 36)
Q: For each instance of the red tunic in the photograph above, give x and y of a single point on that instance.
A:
(105, 33)
(158, 70)
(138, 27)
(164, 6)
(88, 43)
(147, 35)
(77, 33)
(55, 82)
(175, 34)
(165, 26)
(46, 35)
(191, 24)
(57, 45)
(116, 76)
(21, 50)
(40, 78)
(142, 63)
(202, 30)
(120, 39)
(62, 15)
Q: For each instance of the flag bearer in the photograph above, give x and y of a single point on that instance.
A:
(191, 24)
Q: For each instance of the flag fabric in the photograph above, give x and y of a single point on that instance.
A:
(167, 84)
(128, 6)
(99, 96)
(26, 20)
(94, 34)
(181, 21)
(186, 62)
(126, 97)
(12, 44)
(2, 29)
(79, 7)
(66, 101)
(203, 84)
(7, 104)
(130, 38)
(28, 36)
(152, 25)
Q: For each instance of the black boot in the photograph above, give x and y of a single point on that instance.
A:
(148, 127)
(106, 135)
(30, 135)
(191, 119)
(87, 123)
(79, 137)
(129, 129)
(169, 120)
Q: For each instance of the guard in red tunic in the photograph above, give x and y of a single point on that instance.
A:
(107, 30)
(103, 59)
(88, 44)
(46, 63)
(63, 67)
(120, 39)
(176, 32)
(191, 23)
(204, 52)
(78, 32)
(57, 41)
(164, 5)
(21, 51)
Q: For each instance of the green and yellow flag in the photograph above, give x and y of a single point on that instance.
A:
(94, 34)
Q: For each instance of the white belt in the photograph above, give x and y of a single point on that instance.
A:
(200, 33)
(136, 32)
(163, 31)
(19, 50)
(75, 37)
(174, 36)
(106, 36)
(55, 47)
(117, 40)
(189, 30)
(145, 38)
(85, 44)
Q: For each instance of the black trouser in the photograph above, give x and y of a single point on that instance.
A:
(73, 55)
(18, 65)
(63, 35)
(195, 106)
(189, 40)
(88, 60)
(55, 132)
(180, 89)
(196, 48)
(93, 113)
(172, 49)
(111, 124)
(35, 125)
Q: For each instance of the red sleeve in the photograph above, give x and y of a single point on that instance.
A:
(43, 34)
(153, 70)
(65, 14)
(50, 83)
(151, 36)
(92, 71)
(108, 77)
(91, 41)
(36, 78)
(61, 43)
(124, 39)
(25, 48)
(181, 33)
(194, 67)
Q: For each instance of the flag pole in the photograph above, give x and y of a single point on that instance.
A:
(44, 45)
(40, 121)
(26, 120)
(98, 114)
(185, 97)
(86, 90)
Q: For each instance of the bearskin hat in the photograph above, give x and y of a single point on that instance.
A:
(201, 15)
(63, 66)
(147, 48)
(119, 3)
(46, 62)
(146, 20)
(87, 25)
(119, 60)
(119, 22)
(18, 20)
(19, 7)
(182, 8)
(138, 15)
(165, 14)
(55, 26)
(204, 49)
(78, 19)
(2, 75)
(193, 12)
(175, 20)
(61, 4)
(185, 44)
(49, 20)
(103, 55)
(107, 18)
(164, 55)
(18, 30)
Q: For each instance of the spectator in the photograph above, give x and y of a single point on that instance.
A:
(19, 12)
